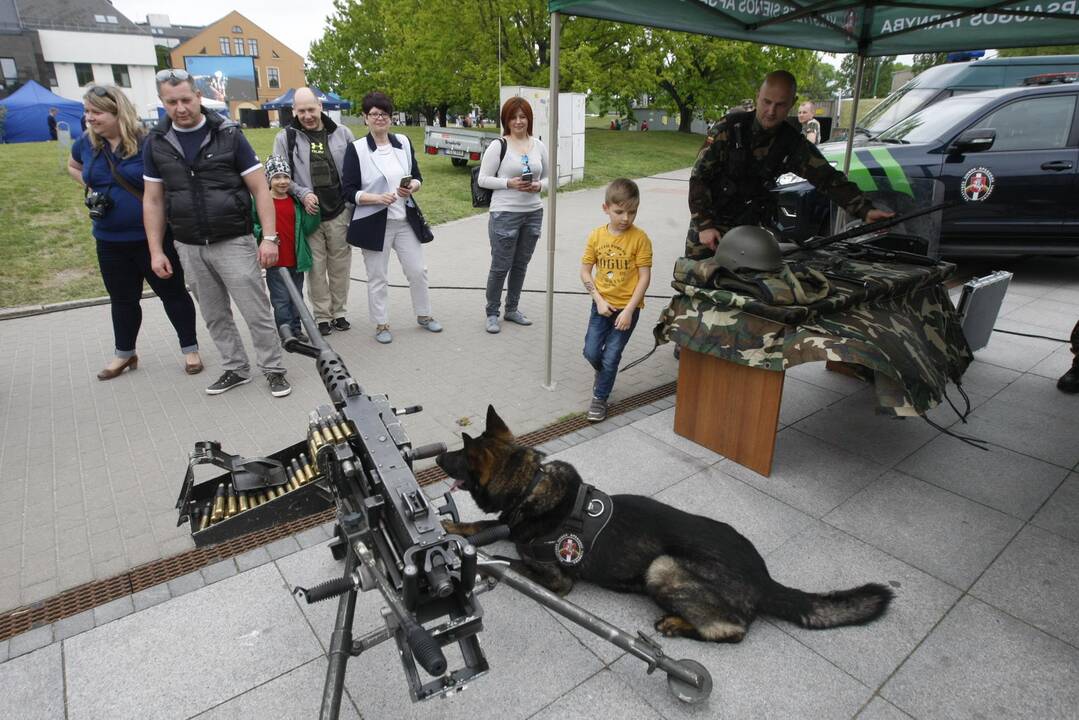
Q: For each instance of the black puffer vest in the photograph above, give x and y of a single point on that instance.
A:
(206, 201)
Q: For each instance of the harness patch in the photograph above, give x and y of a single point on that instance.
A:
(569, 549)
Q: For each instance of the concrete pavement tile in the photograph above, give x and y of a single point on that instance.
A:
(4, 650)
(33, 686)
(10, 592)
(295, 694)
(1044, 317)
(30, 640)
(824, 559)
(110, 568)
(186, 584)
(1024, 430)
(33, 593)
(141, 550)
(281, 548)
(1036, 579)
(252, 558)
(809, 474)
(980, 663)
(612, 423)
(603, 693)
(1015, 352)
(629, 461)
(816, 373)
(880, 709)
(113, 610)
(767, 675)
(150, 596)
(950, 537)
(1060, 514)
(1012, 483)
(1055, 364)
(219, 571)
(661, 427)
(801, 399)
(986, 379)
(573, 438)
(73, 625)
(767, 522)
(629, 613)
(590, 431)
(248, 630)
(553, 446)
(311, 536)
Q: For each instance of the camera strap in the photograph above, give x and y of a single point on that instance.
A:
(120, 178)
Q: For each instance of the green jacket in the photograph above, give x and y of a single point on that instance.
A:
(305, 225)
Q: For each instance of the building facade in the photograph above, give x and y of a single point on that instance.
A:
(276, 66)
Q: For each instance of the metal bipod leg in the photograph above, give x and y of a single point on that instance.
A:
(687, 680)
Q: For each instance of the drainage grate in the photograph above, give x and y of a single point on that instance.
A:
(90, 595)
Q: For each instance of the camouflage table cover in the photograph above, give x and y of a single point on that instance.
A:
(894, 319)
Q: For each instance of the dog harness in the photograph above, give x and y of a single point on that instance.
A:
(568, 544)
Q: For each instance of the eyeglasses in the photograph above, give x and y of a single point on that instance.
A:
(378, 116)
(172, 74)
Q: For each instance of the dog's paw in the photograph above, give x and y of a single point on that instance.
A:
(674, 626)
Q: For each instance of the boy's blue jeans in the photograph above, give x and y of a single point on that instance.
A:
(283, 311)
(603, 346)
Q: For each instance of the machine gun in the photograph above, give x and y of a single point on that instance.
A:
(389, 535)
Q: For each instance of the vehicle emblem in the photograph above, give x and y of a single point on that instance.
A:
(569, 549)
(977, 184)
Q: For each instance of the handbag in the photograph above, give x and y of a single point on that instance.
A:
(481, 196)
(418, 222)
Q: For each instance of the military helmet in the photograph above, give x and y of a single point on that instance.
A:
(749, 247)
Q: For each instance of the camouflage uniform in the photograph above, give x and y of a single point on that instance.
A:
(732, 178)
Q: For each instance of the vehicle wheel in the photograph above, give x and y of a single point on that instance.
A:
(459, 162)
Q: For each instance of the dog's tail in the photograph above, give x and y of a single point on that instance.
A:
(817, 611)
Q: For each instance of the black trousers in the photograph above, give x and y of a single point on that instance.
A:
(1075, 344)
(124, 265)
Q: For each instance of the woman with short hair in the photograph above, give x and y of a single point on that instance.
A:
(380, 175)
(107, 161)
(515, 168)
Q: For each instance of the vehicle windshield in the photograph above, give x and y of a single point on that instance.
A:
(896, 107)
(931, 123)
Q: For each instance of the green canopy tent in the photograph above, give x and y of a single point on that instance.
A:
(868, 28)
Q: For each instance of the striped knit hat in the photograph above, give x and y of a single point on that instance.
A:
(277, 165)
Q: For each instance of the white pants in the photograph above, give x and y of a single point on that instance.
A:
(400, 238)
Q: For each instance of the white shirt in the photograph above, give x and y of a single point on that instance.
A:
(386, 161)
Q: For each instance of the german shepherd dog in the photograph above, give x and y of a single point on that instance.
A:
(709, 580)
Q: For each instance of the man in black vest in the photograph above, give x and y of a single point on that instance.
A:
(205, 168)
(735, 172)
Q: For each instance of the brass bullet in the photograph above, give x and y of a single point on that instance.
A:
(279, 490)
(231, 505)
(267, 495)
(207, 516)
(336, 431)
(327, 431)
(244, 504)
(308, 469)
(219, 503)
(314, 432)
(293, 481)
(297, 472)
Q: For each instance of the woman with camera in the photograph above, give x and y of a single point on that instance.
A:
(380, 175)
(107, 161)
(515, 169)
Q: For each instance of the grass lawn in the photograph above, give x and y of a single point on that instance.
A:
(47, 253)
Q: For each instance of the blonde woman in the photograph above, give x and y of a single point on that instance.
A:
(107, 161)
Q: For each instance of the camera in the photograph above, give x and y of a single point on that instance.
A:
(98, 204)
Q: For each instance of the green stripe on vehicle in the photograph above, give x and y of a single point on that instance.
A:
(896, 176)
(858, 173)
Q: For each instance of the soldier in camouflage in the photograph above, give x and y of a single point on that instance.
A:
(1069, 381)
(734, 173)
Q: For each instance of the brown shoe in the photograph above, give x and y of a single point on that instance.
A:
(109, 373)
(193, 368)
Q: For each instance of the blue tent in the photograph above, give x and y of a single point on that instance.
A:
(329, 100)
(28, 113)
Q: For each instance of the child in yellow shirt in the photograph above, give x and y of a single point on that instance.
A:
(621, 255)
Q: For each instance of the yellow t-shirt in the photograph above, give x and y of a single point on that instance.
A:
(617, 259)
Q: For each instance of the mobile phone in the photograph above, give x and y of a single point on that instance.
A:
(527, 177)
(406, 181)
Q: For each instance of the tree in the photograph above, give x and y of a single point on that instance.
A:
(819, 81)
(1046, 50)
(924, 61)
(164, 57)
(876, 77)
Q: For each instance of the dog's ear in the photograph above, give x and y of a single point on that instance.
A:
(466, 438)
(496, 428)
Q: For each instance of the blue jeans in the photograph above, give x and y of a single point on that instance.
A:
(284, 312)
(603, 346)
(513, 238)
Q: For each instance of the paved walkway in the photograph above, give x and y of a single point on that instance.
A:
(89, 470)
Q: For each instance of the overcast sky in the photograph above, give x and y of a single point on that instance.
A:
(295, 24)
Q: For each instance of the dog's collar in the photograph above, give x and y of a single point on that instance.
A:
(512, 513)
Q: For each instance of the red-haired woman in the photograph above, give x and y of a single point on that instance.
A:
(515, 168)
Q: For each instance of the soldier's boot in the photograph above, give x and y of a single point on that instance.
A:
(1069, 382)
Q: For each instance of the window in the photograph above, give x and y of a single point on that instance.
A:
(273, 77)
(99, 18)
(223, 43)
(252, 47)
(84, 73)
(237, 29)
(112, 20)
(8, 74)
(120, 76)
(51, 69)
(237, 46)
(1040, 123)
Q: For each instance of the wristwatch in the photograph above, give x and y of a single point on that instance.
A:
(271, 238)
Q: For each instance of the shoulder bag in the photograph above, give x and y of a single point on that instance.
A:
(481, 196)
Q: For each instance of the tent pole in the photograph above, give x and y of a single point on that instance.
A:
(552, 193)
(854, 112)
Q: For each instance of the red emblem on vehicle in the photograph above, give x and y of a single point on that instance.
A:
(569, 549)
(977, 184)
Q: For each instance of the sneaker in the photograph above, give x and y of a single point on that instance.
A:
(324, 328)
(493, 326)
(226, 382)
(516, 316)
(340, 324)
(597, 411)
(382, 334)
(301, 336)
(429, 323)
(279, 386)
(1069, 381)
